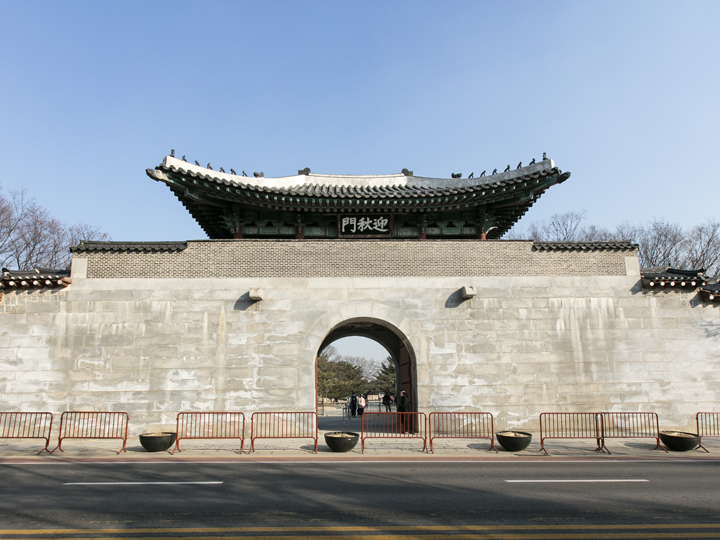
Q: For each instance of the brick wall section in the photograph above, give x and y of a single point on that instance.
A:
(357, 258)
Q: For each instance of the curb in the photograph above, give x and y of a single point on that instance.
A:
(511, 458)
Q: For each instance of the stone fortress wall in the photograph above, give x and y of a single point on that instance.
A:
(164, 328)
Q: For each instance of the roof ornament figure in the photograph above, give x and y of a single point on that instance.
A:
(532, 162)
(507, 168)
(183, 158)
(222, 170)
(544, 156)
(472, 175)
(244, 173)
(259, 175)
(519, 165)
(172, 153)
(406, 172)
(196, 163)
(494, 171)
(482, 173)
(456, 175)
(232, 171)
(209, 167)
(305, 171)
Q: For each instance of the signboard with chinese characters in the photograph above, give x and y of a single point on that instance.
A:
(365, 226)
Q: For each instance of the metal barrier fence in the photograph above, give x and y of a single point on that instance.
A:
(708, 425)
(26, 425)
(570, 426)
(283, 425)
(393, 425)
(462, 425)
(210, 425)
(629, 425)
(93, 425)
(374, 405)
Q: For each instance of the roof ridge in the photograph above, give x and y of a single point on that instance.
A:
(85, 246)
(579, 245)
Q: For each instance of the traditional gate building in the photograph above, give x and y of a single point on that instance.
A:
(474, 323)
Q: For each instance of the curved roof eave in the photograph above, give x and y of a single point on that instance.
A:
(205, 193)
(367, 181)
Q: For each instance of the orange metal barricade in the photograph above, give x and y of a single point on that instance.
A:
(283, 425)
(210, 425)
(462, 425)
(393, 425)
(708, 425)
(26, 425)
(570, 426)
(630, 425)
(93, 425)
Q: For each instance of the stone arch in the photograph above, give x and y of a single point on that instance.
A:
(408, 333)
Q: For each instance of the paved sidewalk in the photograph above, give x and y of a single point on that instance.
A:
(16, 451)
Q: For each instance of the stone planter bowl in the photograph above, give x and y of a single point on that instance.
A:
(341, 441)
(158, 441)
(514, 441)
(679, 440)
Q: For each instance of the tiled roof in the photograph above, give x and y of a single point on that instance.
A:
(585, 246)
(37, 277)
(667, 273)
(207, 194)
(711, 292)
(664, 276)
(147, 247)
(348, 190)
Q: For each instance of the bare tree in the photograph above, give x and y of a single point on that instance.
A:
(593, 233)
(31, 238)
(370, 368)
(703, 251)
(660, 242)
(560, 228)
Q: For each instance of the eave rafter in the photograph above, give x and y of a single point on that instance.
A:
(214, 195)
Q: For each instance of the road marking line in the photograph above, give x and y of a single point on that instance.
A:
(362, 528)
(569, 481)
(133, 483)
(552, 460)
(476, 536)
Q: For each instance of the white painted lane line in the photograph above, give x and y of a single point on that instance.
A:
(491, 461)
(134, 483)
(566, 481)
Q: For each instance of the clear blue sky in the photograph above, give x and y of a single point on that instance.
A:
(622, 94)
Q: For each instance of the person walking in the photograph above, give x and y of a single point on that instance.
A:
(386, 401)
(361, 405)
(353, 405)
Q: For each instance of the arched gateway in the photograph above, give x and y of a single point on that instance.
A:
(401, 345)
(235, 322)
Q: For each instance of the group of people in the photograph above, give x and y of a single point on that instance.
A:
(357, 404)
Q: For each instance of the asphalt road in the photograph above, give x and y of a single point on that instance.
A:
(430, 500)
